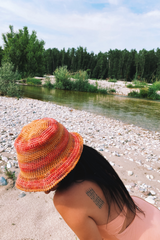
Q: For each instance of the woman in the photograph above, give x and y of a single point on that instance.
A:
(89, 195)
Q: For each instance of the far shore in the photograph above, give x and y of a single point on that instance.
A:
(119, 86)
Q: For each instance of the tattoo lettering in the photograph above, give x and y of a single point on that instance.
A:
(95, 198)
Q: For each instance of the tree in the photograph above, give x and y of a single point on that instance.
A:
(158, 63)
(35, 56)
(7, 80)
(24, 51)
(142, 54)
(150, 65)
(1, 55)
(101, 66)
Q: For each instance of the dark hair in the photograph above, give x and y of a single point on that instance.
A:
(94, 167)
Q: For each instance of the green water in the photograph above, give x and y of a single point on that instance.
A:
(143, 113)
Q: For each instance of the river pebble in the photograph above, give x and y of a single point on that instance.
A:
(3, 181)
(150, 199)
(130, 173)
(22, 194)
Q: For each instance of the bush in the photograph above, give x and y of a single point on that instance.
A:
(33, 81)
(102, 90)
(62, 78)
(133, 94)
(80, 83)
(130, 85)
(48, 83)
(149, 93)
(152, 93)
(144, 93)
(156, 85)
(8, 81)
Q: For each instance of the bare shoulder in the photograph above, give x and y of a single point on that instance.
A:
(81, 194)
(80, 206)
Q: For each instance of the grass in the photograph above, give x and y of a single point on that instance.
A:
(112, 80)
(137, 84)
(147, 92)
(33, 81)
(10, 174)
(112, 90)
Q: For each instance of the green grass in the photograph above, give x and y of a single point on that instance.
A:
(33, 81)
(137, 84)
(112, 80)
(112, 90)
(10, 174)
(148, 93)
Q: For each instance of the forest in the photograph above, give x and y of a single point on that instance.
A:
(30, 58)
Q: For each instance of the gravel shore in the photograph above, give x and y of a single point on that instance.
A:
(132, 151)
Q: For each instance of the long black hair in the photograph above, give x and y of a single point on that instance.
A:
(94, 167)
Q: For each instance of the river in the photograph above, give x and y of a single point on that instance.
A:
(143, 113)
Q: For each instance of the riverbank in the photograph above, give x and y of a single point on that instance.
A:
(119, 86)
(134, 153)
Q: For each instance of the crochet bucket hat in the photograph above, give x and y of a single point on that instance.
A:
(46, 153)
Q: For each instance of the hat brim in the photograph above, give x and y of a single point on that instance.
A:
(56, 174)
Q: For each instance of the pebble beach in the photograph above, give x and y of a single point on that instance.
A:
(133, 152)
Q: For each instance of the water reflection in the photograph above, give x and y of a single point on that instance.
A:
(139, 112)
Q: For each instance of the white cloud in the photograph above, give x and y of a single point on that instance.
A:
(114, 27)
(114, 2)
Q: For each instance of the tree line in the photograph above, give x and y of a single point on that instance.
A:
(30, 58)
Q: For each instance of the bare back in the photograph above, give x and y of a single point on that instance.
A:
(83, 207)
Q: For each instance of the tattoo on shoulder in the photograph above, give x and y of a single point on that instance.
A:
(95, 198)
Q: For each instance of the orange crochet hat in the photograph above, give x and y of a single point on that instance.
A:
(46, 153)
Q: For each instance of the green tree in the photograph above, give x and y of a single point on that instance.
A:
(1, 55)
(7, 80)
(127, 65)
(150, 66)
(35, 56)
(142, 54)
(100, 70)
(113, 63)
(158, 63)
(24, 51)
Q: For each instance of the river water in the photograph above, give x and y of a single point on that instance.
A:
(143, 113)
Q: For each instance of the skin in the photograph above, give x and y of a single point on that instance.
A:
(83, 207)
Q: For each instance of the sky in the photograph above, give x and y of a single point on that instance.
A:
(97, 25)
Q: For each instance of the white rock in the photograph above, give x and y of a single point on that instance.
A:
(22, 194)
(150, 177)
(4, 158)
(153, 193)
(9, 165)
(130, 159)
(150, 199)
(112, 164)
(130, 173)
(1, 149)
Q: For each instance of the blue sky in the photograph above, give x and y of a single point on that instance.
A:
(97, 25)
